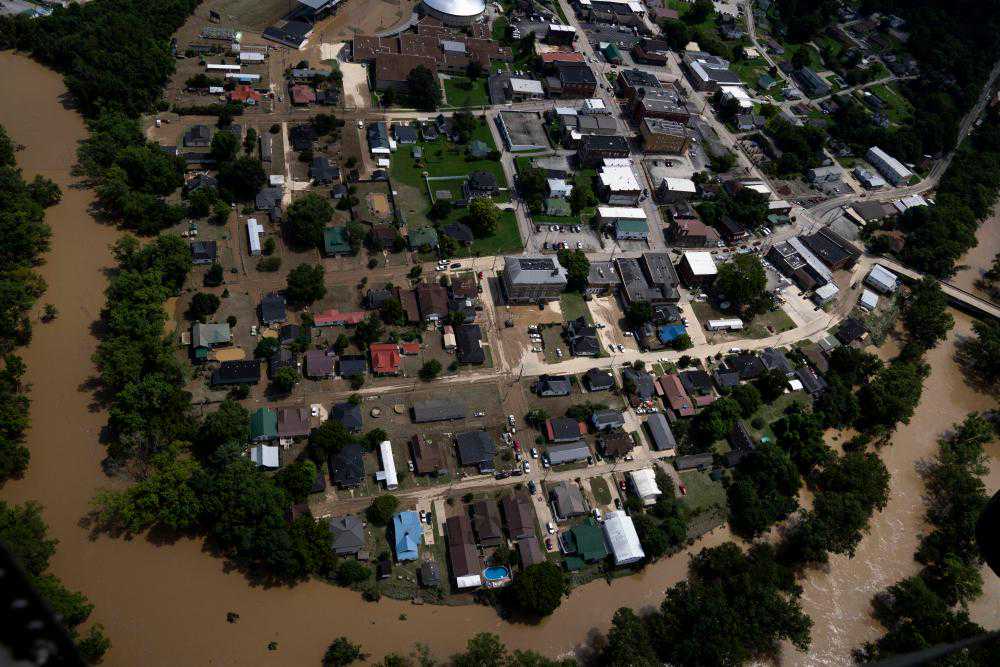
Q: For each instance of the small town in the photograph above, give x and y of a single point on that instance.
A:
(467, 303)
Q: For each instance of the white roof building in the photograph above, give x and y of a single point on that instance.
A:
(251, 57)
(594, 105)
(680, 185)
(254, 230)
(276, 180)
(869, 300)
(619, 179)
(611, 213)
(221, 67)
(388, 472)
(558, 187)
(700, 263)
(894, 171)
(526, 87)
(730, 324)
(881, 279)
(469, 581)
(622, 540)
(737, 93)
(644, 484)
(266, 456)
(825, 293)
(906, 203)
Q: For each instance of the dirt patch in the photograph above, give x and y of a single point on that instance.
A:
(229, 354)
(378, 205)
(363, 18)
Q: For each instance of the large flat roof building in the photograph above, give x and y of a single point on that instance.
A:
(533, 278)
(454, 12)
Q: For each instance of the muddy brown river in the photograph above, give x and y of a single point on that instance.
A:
(167, 605)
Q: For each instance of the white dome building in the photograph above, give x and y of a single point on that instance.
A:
(455, 12)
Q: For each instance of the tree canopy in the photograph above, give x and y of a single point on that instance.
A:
(742, 281)
(424, 90)
(577, 269)
(539, 589)
(306, 218)
(305, 284)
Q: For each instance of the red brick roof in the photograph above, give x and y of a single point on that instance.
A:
(562, 57)
(395, 67)
(677, 398)
(410, 348)
(385, 357)
(244, 94)
(334, 316)
(302, 94)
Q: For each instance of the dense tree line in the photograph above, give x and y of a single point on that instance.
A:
(929, 608)
(25, 535)
(25, 237)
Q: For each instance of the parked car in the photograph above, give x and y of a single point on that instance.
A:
(551, 527)
(480, 413)
(531, 486)
(534, 452)
(527, 466)
(618, 503)
(548, 543)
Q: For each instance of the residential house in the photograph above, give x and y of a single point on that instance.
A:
(694, 461)
(748, 366)
(272, 309)
(349, 415)
(567, 452)
(643, 484)
(811, 382)
(582, 338)
(480, 184)
(265, 456)
(519, 514)
(432, 300)
(567, 500)
(385, 358)
(422, 237)
(347, 467)
(621, 537)
(615, 443)
(282, 358)
(476, 448)
(564, 429)
(207, 337)
(322, 172)
(486, 523)
(462, 553)
(585, 541)
(263, 425)
(203, 252)
(352, 366)
(675, 395)
(605, 420)
(459, 231)
(428, 459)
(775, 360)
(469, 344)
(347, 535)
(293, 423)
(882, 280)
(246, 371)
(437, 410)
(198, 136)
(644, 387)
(407, 535)
(598, 380)
(851, 331)
(319, 364)
(661, 436)
(553, 385)
(430, 574)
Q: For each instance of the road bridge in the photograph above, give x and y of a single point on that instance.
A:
(957, 296)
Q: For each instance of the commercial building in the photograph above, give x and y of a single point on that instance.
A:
(829, 174)
(650, 278)
(437, 410)
(594, 149)
(602, 279)
(697, 268)
(833, 249)
(533, 279)
(575, 80)
(631, 81)
(894, 171)
(799, 263)
(662, 103)
(663, 136)
(672, 190)
(812, 84)
(643, 483)
(618, 183)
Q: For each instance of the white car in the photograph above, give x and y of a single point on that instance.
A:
(579, 245)
(536, 349)
(534, 452)
(314, 411)
(361, 124)
(527, 467)
(627, 333)
(621, 348)
(511, 420)
(409, 463)
(559, 352)
(253, 330)
(480, 413)
(551, 527)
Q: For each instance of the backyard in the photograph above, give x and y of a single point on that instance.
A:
(573, 306)
(704, 502)
(461, 91)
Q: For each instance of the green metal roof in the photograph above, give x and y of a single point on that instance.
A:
(335, 241)
(589, 541)
(632, 226)
(264, 424)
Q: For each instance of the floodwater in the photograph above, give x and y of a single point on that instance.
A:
(838, 600)
(979, 259)
(168, 604)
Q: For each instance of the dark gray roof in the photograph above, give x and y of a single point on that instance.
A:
(347, 414)
(644, 387)
(747, 365)
(696, 382)
(351, 366)
(562, 429)
(659, 431)
(347, 467)
(347, 534)
(469, 339)
(534, 270)
(775, 360)
(553, 385)
(567, 452)
(725, 379)
(272, 308)
(604, 419)
(475, 447)
(811, 382)
(598, 380)
(246, 371)
(694, 461)
(437, 410)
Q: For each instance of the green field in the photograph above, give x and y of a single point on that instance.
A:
(573, 306)
(771, 413)
(777, 320)
(702, 492)
(897, 107)
(461, 91)
(599, 487)
(444, 158)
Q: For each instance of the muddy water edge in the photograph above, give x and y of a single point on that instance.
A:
(167, 605)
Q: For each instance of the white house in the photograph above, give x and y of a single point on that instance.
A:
(254, 230)
(644, 484)
(388, 472)
(621, 538)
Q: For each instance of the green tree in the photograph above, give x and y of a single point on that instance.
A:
(582, 196)
(382, 508)
(306, 219)
(430, 370)
(266, 348)
(214, 276)
(577, 269)
(242, 178)
(369, 331)
(297, 479)
(202, 305)
(305, 284)
(764, 490)
(94, 645)
(743, 282)
(329, 438)
(638, 313)
(424, 91)
(225, 146)
(351, 572)
(341, 652)
(748, 397)
(771, 384)
(925, 314)
(201, 201)
(654, 541)
(628, 643)
(229, 423)
(341, 344)
(801, 435)
(892, 395)
(391, 311)
(981, 354)
(285, 380)
(539, 589)
(483, 216)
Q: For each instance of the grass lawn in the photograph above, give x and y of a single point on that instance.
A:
(749, 70)
(702, 493)
(599, 487)
(499, 29)
(443, 158)
(898, 108)
(573, 306)
(771, 413)
(461, 91)
(777, 320)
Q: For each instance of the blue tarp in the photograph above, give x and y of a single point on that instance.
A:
(669, 332)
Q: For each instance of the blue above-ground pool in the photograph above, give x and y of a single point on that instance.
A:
(496, 573)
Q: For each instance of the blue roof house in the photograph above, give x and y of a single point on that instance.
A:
(408, 533)
(668, 333)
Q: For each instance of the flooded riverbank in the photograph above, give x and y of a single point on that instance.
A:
(839, 600)
(168, 604)
(978, 260)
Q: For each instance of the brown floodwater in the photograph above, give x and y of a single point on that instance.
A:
(838, 600)
(168, 604)
(979, 259)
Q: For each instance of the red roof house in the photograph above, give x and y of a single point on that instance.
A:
(302, 94)
(562, 57)
(676, 397)
(410, 348)
(386, 359)
(332, 317)
(244, 94)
